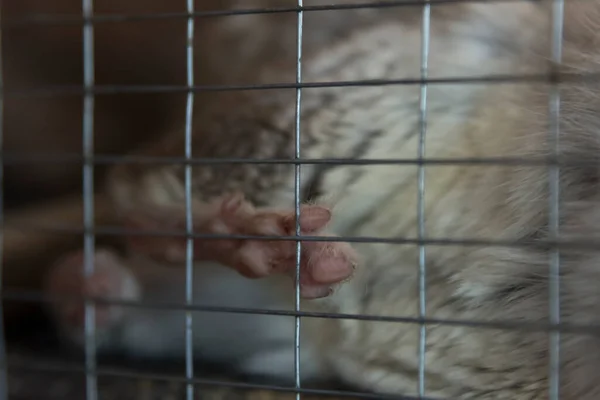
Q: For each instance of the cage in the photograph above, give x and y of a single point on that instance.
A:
(128, 70)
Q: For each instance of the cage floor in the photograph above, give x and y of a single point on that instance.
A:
(38, 368)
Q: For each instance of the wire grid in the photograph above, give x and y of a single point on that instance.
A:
(89, 91)
(189, 256)
(88, 199)
(297, 170)
(554, 199)
(425, 30)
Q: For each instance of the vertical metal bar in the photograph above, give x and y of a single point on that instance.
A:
(189, 228)
(425, 34)
(297, 197)
(3, 362)
(88, 195)
(554, 203)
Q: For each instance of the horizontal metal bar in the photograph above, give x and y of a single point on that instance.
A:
(62, 367)
(33, 158)
(27, 296)
(97, 90)
(57, 19)
(99, 230)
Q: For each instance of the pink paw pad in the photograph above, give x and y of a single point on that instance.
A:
(68, 284)
(322, 264)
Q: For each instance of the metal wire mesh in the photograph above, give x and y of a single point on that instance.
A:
(88, 196)
(554, 217)
(189, 227)
(297, 200)
(90, 231)
(425, 31)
